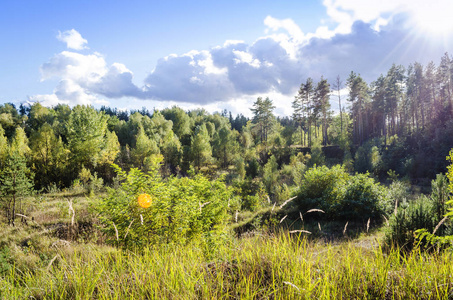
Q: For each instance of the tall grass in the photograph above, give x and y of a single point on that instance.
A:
(282, 266)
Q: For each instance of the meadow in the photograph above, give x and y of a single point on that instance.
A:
(53, 257)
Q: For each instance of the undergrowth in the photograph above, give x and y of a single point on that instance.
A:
(263, 266)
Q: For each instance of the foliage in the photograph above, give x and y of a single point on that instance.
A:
(263, 117)
(85, 131)
(317, 157)
(406, 220)
(363, 198)
(340, 195)
(439, 194)
(320, 188)
(252, 168)
(49, 157)
(257, 267)
(397, 193)
(183, 209)
(421, 220)
(252, 193)
(145, 149)
(270, 175)
(16, 181)
(201, 150)
(5, 261)
(225, 146)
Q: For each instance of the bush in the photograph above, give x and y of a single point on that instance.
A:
(182, 209)
(423, 216)
(408, 218)
(317, 156)
(321, 188)
(5, 261)
(340, 195)
(439, 195)
(362, 199)
(252, 193)
(398, 192)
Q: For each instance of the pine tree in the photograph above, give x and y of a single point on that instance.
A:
(358, 95)
(16, 182)
(143, 150)
(323, 96)
(337, 87)
(49, 157)
(263, 117)
(200, 147)
(298, 113)
(308, 103)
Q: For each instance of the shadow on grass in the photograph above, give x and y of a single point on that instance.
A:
(312, 224)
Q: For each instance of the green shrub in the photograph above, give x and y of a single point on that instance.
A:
(421, 217)
(252, 193)
(252, 168)
(340, 195)
(317, 156)
(5, 260)
(398, 192)
(363, 198)
(270, 176)
(182, 209)
(439, 194)
(321, 188)
(408, 218)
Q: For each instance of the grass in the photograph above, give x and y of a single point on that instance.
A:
(36, 263)
(281, 266)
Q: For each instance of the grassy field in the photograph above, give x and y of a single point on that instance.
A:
(41, 260)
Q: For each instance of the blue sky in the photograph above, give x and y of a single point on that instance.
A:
(211, 54)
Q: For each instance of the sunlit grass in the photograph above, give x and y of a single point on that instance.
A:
(279, 266)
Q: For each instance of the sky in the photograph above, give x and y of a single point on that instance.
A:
(211, 54)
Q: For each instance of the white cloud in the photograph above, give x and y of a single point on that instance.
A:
(288, 25)
(73, 39)
(85, 79)
(363, 36)
(46, 100)
(245, 57)
(380, 13)
(76, 66)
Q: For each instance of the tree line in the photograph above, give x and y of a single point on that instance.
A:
(395, 122)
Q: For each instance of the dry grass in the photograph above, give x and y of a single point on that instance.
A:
(291, 264)
(263, 266)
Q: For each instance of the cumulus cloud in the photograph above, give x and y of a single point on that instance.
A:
(73, 39)
(361, 36)
(83, 78)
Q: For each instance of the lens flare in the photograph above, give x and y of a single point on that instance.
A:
(433, 18)
(145, 200)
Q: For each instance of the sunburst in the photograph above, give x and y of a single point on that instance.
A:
(433, 18)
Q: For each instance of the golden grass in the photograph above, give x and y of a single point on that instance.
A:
(262, 266)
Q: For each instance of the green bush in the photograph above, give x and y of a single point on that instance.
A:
(182, 209)
(397, 192)
(321, 187)
(363, 198)
(340, 195)
(408, 218)
(317, 156)
(252, 193)
(5, 260)
(439, 195)
(422, 216)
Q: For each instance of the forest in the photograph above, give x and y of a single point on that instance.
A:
(371, 181)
